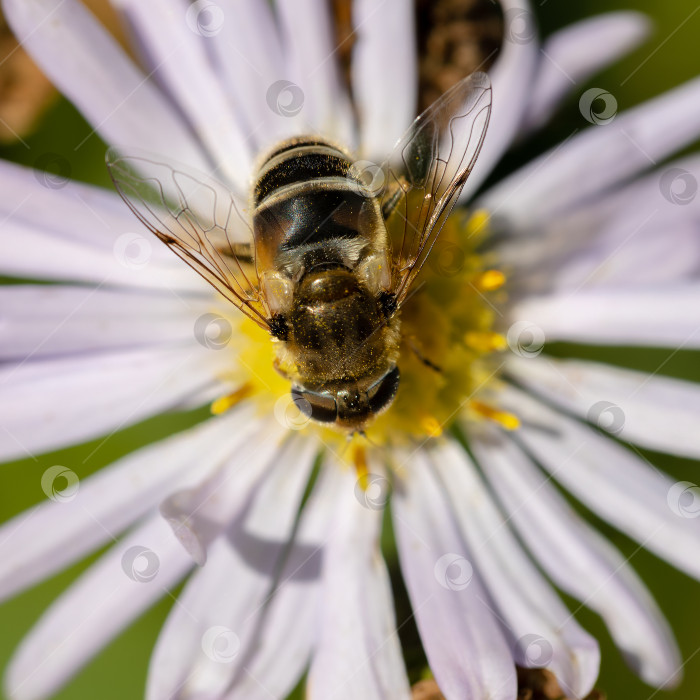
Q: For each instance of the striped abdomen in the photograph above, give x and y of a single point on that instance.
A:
(309, 209)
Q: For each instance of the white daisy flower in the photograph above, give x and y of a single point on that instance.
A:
(276, 521)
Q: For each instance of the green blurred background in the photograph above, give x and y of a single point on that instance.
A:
(670, 57)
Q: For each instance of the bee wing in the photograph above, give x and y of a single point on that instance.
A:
(427, 171)
(198, 218)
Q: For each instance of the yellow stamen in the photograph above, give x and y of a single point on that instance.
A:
(225, 403)
(507, 420)
(359, 458)
(490, 280)
(487, 341)
(431, 426)
(477, 222)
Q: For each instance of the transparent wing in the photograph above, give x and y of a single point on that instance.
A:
(199, 219)
(427, 171)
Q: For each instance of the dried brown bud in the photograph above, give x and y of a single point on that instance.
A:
(24, 90)
(454, 38)
(541, 684)
(426, 690)
(533, 684)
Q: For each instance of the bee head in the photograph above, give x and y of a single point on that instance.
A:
(349, 406)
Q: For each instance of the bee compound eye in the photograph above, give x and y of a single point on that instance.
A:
(318, 407)
(384, 391)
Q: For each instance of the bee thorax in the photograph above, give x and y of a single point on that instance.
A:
(336, 327)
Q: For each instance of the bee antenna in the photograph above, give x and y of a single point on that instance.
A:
(363, 434)
(346, 447)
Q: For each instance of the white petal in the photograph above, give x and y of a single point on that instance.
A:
(667, 316)
(73, 231)
(638, 248)
(633, 141)
(275, 665)
(43, 320)
(248, 52)
(647, 235)
(613, 482)
(579, 560)
(358, 653)
(466, 649)
(91, 69)
(222, 603)
(199, 515)
(385, 99)
(567, 59)
(50, 403)
(46, 256)
(182, 66)
(641, 234)
(654, 411)
(103, 601)
(69, 525)
(542, 631)
(511, 78)
(309, 47)
(72, 210)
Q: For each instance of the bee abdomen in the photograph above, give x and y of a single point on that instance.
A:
(299, 161)
(310, 211)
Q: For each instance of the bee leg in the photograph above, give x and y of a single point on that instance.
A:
(241, 257)
(243, 252)
(387, 300)
(396, 193)
(278, 368)
(278, 327)
(422, 357)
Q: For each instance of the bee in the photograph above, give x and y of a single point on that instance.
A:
(326, 249)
